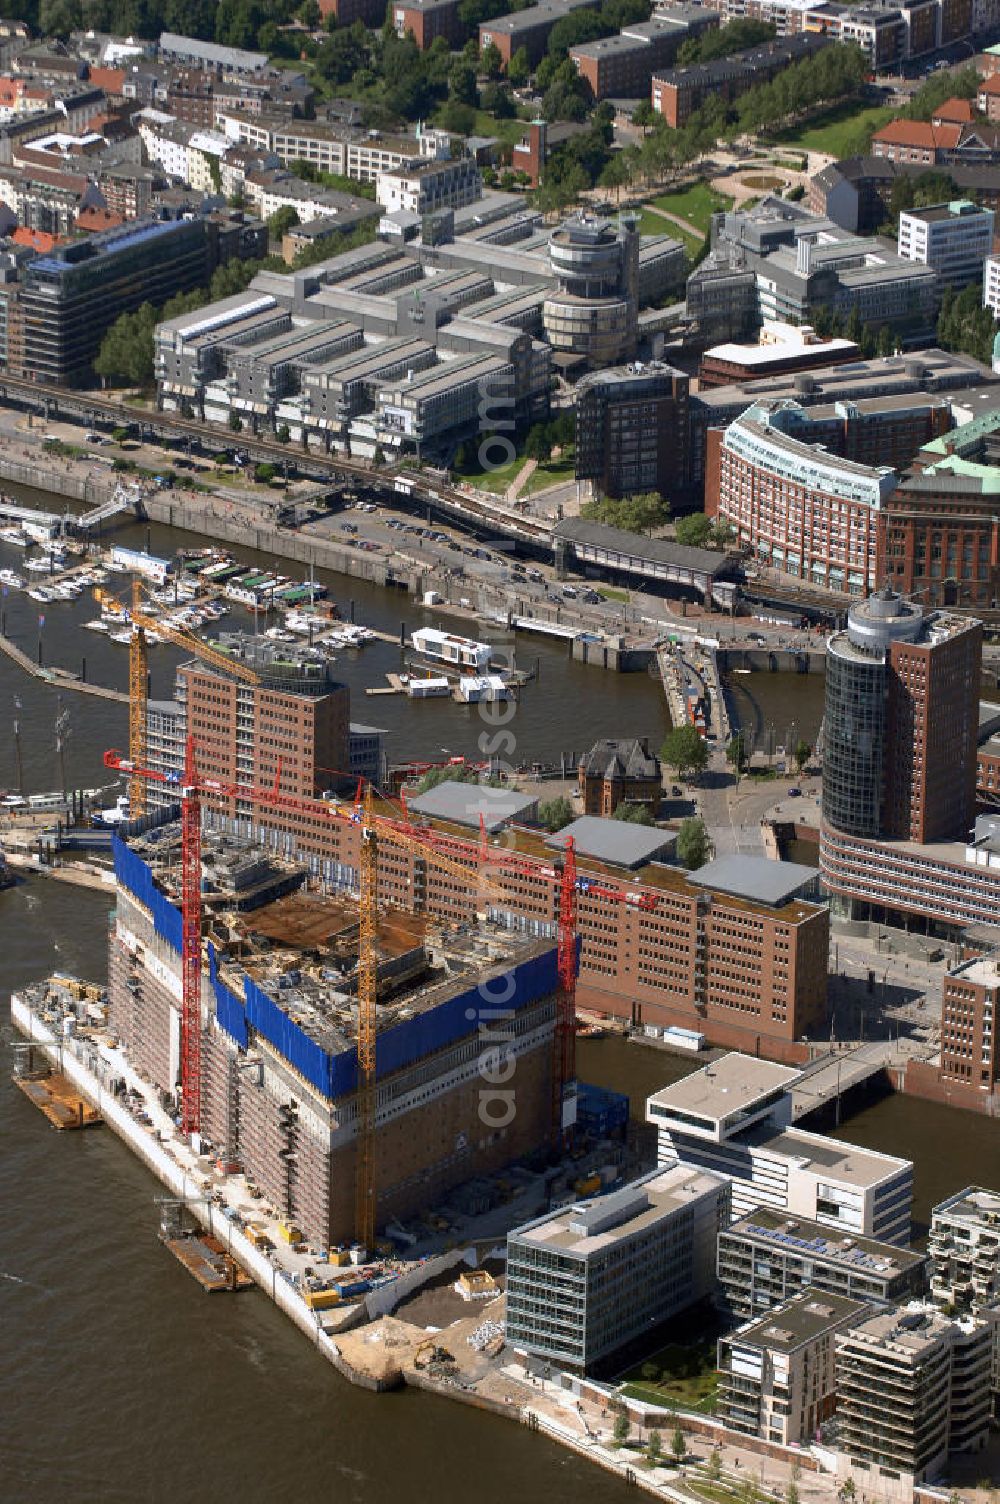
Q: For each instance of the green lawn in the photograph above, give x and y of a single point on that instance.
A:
(651, 223)
(550, 473)
(686, 1377)
(495, 480)
(696, 203)
(836, 130)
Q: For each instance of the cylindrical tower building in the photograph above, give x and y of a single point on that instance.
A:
(854, 724)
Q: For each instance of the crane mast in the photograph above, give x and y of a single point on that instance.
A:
(365, 1178)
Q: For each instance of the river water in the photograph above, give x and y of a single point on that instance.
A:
(120, 1379)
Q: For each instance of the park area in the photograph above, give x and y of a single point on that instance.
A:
(837, 132)
(694, 204)
(680, 1375)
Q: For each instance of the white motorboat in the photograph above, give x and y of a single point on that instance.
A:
(39, 566)
(97, 625)
(15, 536)
(14, 581)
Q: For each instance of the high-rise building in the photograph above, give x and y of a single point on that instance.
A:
(70, 297)
(777, 1374)
(901, 722)
(592, 317)
(969, 1006)
(732, 1118)
(964, 1249)
(585, 1281)
(912, 1386)
(632, 430)
(768, 1256)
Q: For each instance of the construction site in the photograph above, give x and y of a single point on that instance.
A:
(279, 1033)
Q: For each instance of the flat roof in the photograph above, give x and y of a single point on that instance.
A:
(814, 1241)
(728, 1085)
(861, 1167)
(755, 877)
(591, 1227)
(975, 1203)
(798, 1321)
(617, 841)
(633, 545)
(464, 803)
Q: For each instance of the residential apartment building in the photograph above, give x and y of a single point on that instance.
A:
(777, 1374)
(421, 186)
(528, 29)
(732, 1118)
(802, 511)
(953, 238)
(585, 1282)
(342, 150)
(620, 772)
(887, 34)
(767, 1257)
(964, 1249)
(912, 1386)
(622, 66)
(425, 20)
(677, 93)
(632, 430)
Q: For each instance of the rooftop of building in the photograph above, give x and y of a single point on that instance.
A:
(975, 1204)
(926, 371)
(595, 1226)
(780, 341)
(734, 1083)
(812, 1240)
(798, 1322)
(628, 757)
(300, 949)
(847, 1162)
(910, 1336)
(469, 803)
(704, 75)
(620, 843)
(236, 58)
(757, 878)
(630, 545)
(981, 971)
(959, 208)
(919, 134)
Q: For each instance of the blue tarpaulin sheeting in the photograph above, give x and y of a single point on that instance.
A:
(133, 873)
(229, 1009)
(336, 1075)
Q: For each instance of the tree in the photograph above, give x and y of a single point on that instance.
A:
(462, 83)
(684, 750)
(694, 848)
(490, 61)
(792, 1492)
(633, 814)
(714, 1465)
(616, 174)
(264, 473)
(519, 68)
(282, 433)
(694, 531)
(235, 423)
(125, 355)
(847, 1490)
(282, 220)
(802, 754)
(654, 1446)
(538, 445)
(650, 1372)
(555, 813)
(678, 1446)
(736, 753)
(622, 1426)
(635, 514)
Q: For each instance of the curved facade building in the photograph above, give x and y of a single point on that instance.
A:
(593, 314)
(803, 510)
(856, 711)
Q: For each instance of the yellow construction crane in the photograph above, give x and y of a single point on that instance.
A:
(375, 827)
(138, 676)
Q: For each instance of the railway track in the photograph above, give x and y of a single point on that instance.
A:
(93, 408)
